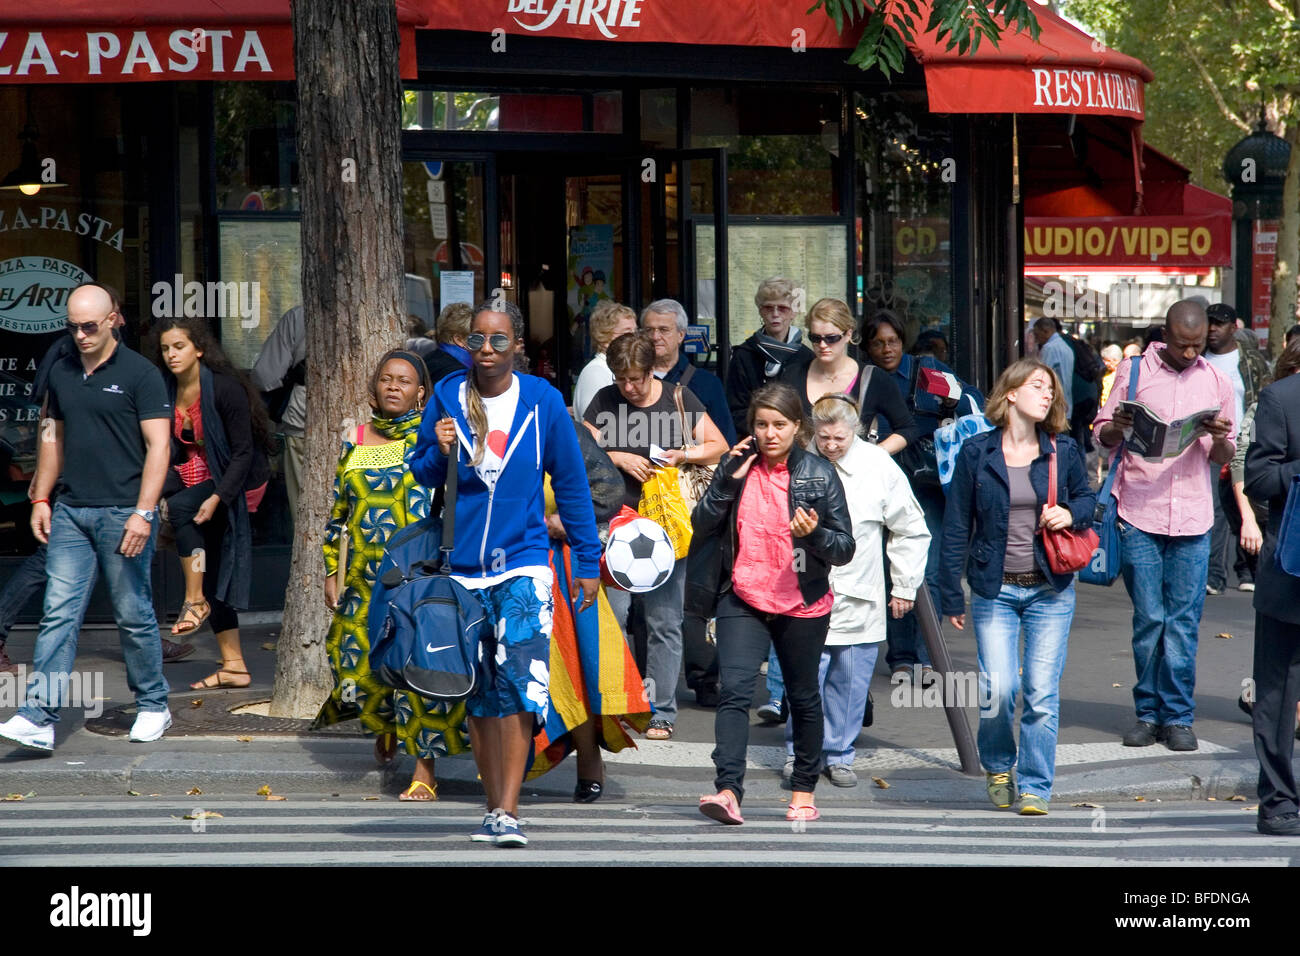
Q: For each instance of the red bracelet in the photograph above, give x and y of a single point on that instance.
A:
(40, 501)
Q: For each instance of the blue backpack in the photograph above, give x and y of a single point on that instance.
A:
(428, 631)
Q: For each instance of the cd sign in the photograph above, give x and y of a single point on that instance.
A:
(34, 293)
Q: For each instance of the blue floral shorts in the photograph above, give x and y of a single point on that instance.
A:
(516, 671)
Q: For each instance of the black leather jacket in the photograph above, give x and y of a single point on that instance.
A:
(814, 484)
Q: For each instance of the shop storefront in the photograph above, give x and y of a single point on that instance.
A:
(151, 149)
(1108, 245)
(561, 151)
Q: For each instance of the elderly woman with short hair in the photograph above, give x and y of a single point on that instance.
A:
(628, 419)
(608, 321)
(763, 356)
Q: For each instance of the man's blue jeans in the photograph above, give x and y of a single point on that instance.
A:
(1043, 616)
(82, 541)
(1165, 577)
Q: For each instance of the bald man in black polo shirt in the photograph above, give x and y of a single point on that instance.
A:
(108, 434)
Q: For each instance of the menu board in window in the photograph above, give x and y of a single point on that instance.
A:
(814, 257)
(265, 260)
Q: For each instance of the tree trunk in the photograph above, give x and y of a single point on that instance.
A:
(1283, 314)
(349, 153)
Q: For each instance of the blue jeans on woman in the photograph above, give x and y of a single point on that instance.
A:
(84, 541)
(1165, 576)
(1043, 616)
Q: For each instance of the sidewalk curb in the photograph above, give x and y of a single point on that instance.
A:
(341, 767)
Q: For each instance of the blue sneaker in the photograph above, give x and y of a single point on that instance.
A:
(487, 830)
(508, 832)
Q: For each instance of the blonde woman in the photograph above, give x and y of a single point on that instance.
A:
(608, 321)
(880, 500)
(831, 369)
(997, 504)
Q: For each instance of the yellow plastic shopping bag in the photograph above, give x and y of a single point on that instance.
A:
(662, 502)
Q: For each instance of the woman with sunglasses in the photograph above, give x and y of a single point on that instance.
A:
(831, 369)
(508, 432)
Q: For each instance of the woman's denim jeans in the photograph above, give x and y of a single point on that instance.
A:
(1043, 616)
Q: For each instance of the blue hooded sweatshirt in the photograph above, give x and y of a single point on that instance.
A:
(503, 529)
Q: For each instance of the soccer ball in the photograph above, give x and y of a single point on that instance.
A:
(639, 556)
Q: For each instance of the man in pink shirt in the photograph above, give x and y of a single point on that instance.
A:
(1165, 515)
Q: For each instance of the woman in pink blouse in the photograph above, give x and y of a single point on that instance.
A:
(772, 524)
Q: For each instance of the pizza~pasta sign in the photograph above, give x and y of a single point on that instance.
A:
(163, 53)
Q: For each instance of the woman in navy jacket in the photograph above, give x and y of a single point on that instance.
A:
(996, 510)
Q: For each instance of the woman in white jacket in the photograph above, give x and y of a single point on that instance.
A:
(880, 498)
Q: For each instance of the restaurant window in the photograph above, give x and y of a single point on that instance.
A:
(258, 238)
(782, 149)
(443, 241)
(258, 233)
(903, 180)
(90, 223)
(514, 111)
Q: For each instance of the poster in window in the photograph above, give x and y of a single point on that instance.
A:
(268, 257)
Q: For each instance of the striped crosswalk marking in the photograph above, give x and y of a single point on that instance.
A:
(152, 832)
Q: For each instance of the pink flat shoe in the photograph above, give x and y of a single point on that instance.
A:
(807, 813)
(722, 807)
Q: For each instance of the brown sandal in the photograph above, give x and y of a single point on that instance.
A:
(191, 607)
(221, 683)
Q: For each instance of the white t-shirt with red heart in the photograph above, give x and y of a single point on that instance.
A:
(500, 415)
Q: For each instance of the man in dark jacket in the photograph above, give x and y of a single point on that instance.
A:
(761, 357)
(1271, 464)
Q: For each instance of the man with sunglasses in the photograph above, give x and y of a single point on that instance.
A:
(107, 433)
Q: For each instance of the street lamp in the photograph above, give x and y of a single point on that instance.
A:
(1256, 169)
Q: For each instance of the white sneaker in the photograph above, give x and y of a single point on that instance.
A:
(22, 731)
(149, 725)
(1246, 586)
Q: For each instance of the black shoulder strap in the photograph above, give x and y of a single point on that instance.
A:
(449, 509)
(912, 379)
(687, 375)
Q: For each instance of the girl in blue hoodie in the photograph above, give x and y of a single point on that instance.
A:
(508, 431)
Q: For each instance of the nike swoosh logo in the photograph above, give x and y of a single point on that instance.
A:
(433, 650)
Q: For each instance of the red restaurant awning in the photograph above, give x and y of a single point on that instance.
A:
(1066, 71)
(116, 41)
(1076, 221)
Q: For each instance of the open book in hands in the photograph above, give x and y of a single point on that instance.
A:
(1154, 438)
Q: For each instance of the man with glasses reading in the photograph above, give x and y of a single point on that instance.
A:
(107, 432)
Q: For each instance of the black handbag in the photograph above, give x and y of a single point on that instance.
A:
(917, 459)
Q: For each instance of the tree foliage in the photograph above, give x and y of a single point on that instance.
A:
(891, 25)
(1216, 63)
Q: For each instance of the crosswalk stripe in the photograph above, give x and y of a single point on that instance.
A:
(677, 856)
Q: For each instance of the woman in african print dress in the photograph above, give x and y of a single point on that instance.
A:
(375, 494)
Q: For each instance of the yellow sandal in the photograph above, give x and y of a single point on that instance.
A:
(411, 792)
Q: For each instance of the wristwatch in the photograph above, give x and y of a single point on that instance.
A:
(146, 515)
